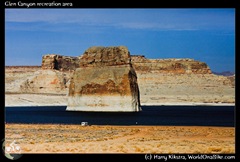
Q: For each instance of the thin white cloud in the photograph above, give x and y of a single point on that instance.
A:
(158, 19)
(157, 26)
(54, 16)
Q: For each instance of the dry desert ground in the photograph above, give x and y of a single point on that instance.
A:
(47, 138)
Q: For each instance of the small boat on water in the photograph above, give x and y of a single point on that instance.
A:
(84, 123)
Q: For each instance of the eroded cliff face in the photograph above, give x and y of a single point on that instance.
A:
(160, 81)
(105, 81)
(59, 62)
(105, 56)
(92, 57)
(45, 81)
(169, 66)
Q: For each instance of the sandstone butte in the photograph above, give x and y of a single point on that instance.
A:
(105, 81)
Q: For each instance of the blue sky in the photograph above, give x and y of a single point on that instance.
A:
(206, 35)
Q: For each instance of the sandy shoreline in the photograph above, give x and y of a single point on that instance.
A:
(141, 105)
(187, 104)
(55, 138)
(148, 104)
(61, 100)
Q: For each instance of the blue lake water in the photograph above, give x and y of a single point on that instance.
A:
(150, 115)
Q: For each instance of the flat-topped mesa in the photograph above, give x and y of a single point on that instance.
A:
(59, 62)
(105, 81)
(174, 66)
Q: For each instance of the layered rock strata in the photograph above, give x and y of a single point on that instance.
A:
(169, 66)
(45, 81)
(59, 62)
(139, 63)
(105, 81)
(160, 81)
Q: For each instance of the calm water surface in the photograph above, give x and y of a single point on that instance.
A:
(150, 115)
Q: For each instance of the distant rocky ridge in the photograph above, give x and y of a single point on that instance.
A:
(175, 66)
(224, 73)
(139, 63)
(160, 81)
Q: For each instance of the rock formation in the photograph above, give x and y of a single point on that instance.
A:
(160, 81)
(174, 66)
(139, 63)
(59, 62)
(105, 81)
(45, 81)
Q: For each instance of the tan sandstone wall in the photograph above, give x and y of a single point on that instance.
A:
(174, 66)
(105, 81)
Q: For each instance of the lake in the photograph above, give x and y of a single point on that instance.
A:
(150, 115)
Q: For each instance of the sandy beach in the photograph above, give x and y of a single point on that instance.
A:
(46, 138)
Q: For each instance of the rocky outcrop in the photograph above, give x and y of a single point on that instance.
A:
(161, 89)
(231, 79)
(104, 76)
(59, 62)
(101, 56)
(155, 88)
(139, 63)
(105, 81)
(173, 66)
(45, 81)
